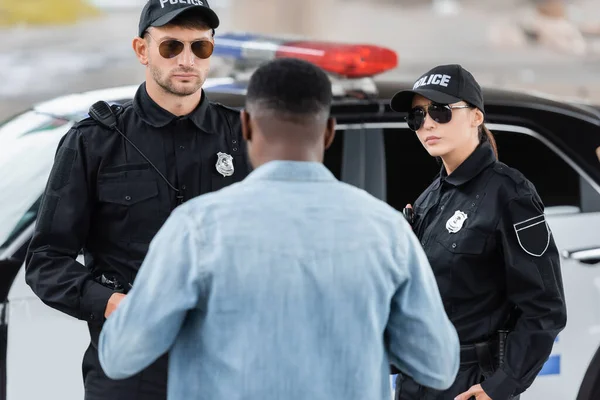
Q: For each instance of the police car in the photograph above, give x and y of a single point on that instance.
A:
(556, 144)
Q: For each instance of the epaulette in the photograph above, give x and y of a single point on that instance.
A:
(118, 109)
(516, 176)
(227, 108)
(522, 186)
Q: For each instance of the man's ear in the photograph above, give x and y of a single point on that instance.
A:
(246, 128)
(140, 47)
(330, 132)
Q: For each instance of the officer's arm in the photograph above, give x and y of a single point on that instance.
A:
(422, 342)
(534, 285)
(62, 226)
(145, 325)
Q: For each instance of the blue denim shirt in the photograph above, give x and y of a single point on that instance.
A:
(287, 285)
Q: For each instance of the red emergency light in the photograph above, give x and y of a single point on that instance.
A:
(348, 60)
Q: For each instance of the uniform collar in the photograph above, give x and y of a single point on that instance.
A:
(299, 171)
(156, 116)
(479, 160)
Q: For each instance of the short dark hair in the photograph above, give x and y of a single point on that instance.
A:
(289, 88)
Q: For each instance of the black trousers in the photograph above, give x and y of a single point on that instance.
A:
(468, 375)
(150, 384)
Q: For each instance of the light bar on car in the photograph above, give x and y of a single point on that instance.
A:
(346, 60)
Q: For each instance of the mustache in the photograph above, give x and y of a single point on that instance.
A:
(185, 71)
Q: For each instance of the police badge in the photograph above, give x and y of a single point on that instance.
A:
(455, 223)
(224, 164)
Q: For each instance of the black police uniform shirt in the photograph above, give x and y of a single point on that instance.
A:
(103, 197)
(491, 250)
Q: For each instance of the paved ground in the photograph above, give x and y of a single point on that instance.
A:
(40, 63)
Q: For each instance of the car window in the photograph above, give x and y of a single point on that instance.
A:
(27, 149)
(410, 170)
(333, 155)
(560, 186)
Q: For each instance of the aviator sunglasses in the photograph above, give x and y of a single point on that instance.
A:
(171, 48)
(440, 113)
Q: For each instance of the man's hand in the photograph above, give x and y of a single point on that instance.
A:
(113, 303)
(476, 392)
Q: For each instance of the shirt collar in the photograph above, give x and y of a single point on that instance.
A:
(156, 116)
(297, 171)
(479, 160)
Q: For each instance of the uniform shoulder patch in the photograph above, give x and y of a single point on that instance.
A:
(533, 235)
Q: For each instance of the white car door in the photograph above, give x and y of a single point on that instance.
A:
(45, 348)
(578, 343)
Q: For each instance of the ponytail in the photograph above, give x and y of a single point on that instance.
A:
(486, 135)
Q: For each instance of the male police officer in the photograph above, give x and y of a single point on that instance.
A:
(117, 177)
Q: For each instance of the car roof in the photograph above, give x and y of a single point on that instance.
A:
(231, 92)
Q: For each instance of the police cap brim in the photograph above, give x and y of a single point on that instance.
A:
(402, 101)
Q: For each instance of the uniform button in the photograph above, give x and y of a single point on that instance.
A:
(92, 317)
(235, 149)
(127, 198)
(423, 243)
(184, 187)
(442, 208)
(234, 141)
(477, 196)
(453, 245)
(181, 147)
(472, 204)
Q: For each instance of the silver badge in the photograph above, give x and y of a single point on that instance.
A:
(455, 223)
(224, 164)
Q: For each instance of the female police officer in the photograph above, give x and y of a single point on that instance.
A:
(483, 229)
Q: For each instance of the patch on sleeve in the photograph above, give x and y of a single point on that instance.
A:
(62, 168)
(48, 209)
(533, 235)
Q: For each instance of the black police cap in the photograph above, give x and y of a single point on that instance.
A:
(161, 12)
(444, 84)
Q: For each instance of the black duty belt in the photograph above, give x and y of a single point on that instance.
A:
(485, 354)
(472, 353)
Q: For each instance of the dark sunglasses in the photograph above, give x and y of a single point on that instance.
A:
(171, 48)
(440, 113)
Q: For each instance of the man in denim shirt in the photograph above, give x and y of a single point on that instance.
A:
(287, 285)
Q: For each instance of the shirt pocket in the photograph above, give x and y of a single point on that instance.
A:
(470, 242)
(130, 209)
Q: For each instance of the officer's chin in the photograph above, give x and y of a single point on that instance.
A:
(186, 88)
(436, 151)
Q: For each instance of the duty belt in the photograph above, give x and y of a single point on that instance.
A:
(489, 354)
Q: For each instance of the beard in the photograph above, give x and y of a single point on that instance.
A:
(181, 89)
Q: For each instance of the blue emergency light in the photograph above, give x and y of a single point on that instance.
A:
(345, 60)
